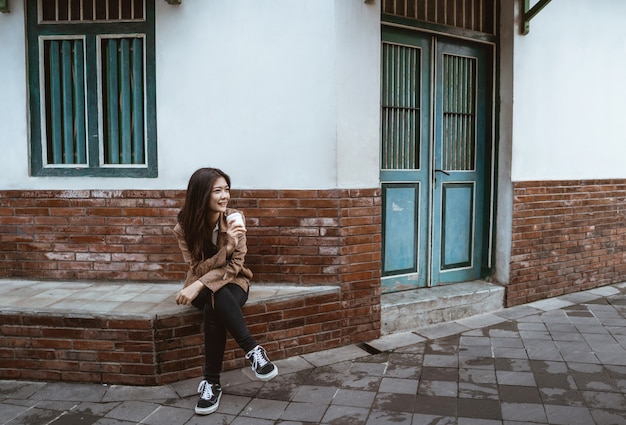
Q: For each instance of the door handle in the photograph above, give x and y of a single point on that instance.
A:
(442, 171)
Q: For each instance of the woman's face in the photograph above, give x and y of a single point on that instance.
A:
(220, 195)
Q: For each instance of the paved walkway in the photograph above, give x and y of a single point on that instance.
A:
(558, 361)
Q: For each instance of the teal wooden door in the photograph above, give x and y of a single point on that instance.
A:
(436, 131)
(462, 130)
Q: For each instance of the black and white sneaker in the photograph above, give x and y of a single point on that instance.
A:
(210, 395)
(263, 368)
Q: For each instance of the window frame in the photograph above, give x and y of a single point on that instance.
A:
(91, 32)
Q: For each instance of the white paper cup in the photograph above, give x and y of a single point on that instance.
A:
(236, 218)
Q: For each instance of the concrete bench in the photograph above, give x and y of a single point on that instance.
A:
(135, 334)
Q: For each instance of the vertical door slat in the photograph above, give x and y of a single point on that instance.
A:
(138, 90)
(125, 101)
(67, 98)
(112, 95)
(79, 103)
(55, 103)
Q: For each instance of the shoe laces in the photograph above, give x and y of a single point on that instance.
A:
(258, 357)
(206, 390)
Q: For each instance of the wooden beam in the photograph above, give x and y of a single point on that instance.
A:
(530, 12)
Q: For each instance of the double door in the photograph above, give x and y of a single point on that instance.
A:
(436, 159)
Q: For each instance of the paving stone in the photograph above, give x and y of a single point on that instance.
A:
(394, 402)
(605, 400)
(405, 359)
(371, 369)
(442, 330)
(398, 386)
(166, 415)
(360, 382)
(75, 418)
(395, 341)
(250, 421)
(480, 391)
(524, 412)
(406, 372)
(512, 342)
(436, 360)
(561, 396)
(10, 411)
(517, 394)
(552, 380)
(264, 409)
(125, 392)
(443, 406)
(513, 365)
(476, 408)
(64, 391)
(315, 394)
(475, 351)
(334, 355)
(570, 415)
(109, 421)
(517, 312)
(280, 388)
(133, 411)
(608, 417)
(477, 376)
(472, 421)
(419, 418)
(305, 412)
(509, 353)
(19, 389)
(552, 354)
(389, 418)
(219, 418)
(438, 388)
(541, 366)
(98, 409)
(440, 374)
(516, 378)
(35, 417)
(550, 304)
(344, 415)
(354, 398)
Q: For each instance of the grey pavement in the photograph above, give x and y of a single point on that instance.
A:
(556, 361)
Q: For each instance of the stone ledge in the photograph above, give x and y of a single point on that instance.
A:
(128, 299)
(135, 334)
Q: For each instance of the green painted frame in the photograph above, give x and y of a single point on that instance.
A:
(35, 30)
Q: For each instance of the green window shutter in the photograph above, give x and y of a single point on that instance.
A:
(64, 101)
(92, 88)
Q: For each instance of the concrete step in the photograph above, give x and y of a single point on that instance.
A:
(414, 309)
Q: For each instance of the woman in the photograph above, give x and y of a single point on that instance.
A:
(217, 281)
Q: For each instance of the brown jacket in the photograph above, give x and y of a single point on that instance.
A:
(226, 266)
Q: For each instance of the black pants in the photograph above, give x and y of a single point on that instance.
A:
(225, 316)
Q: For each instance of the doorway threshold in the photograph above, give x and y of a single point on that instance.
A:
(417, 308)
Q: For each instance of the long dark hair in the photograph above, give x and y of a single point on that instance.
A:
(193, 217)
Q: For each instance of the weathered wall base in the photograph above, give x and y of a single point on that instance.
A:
(309, 237)
(568, 236)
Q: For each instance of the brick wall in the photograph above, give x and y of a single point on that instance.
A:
(309, 237)
(156, 349)
(568, 236)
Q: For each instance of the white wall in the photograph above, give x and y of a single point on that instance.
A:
(280, 94)
(569, 117)
(358, 93)
(13, 93)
